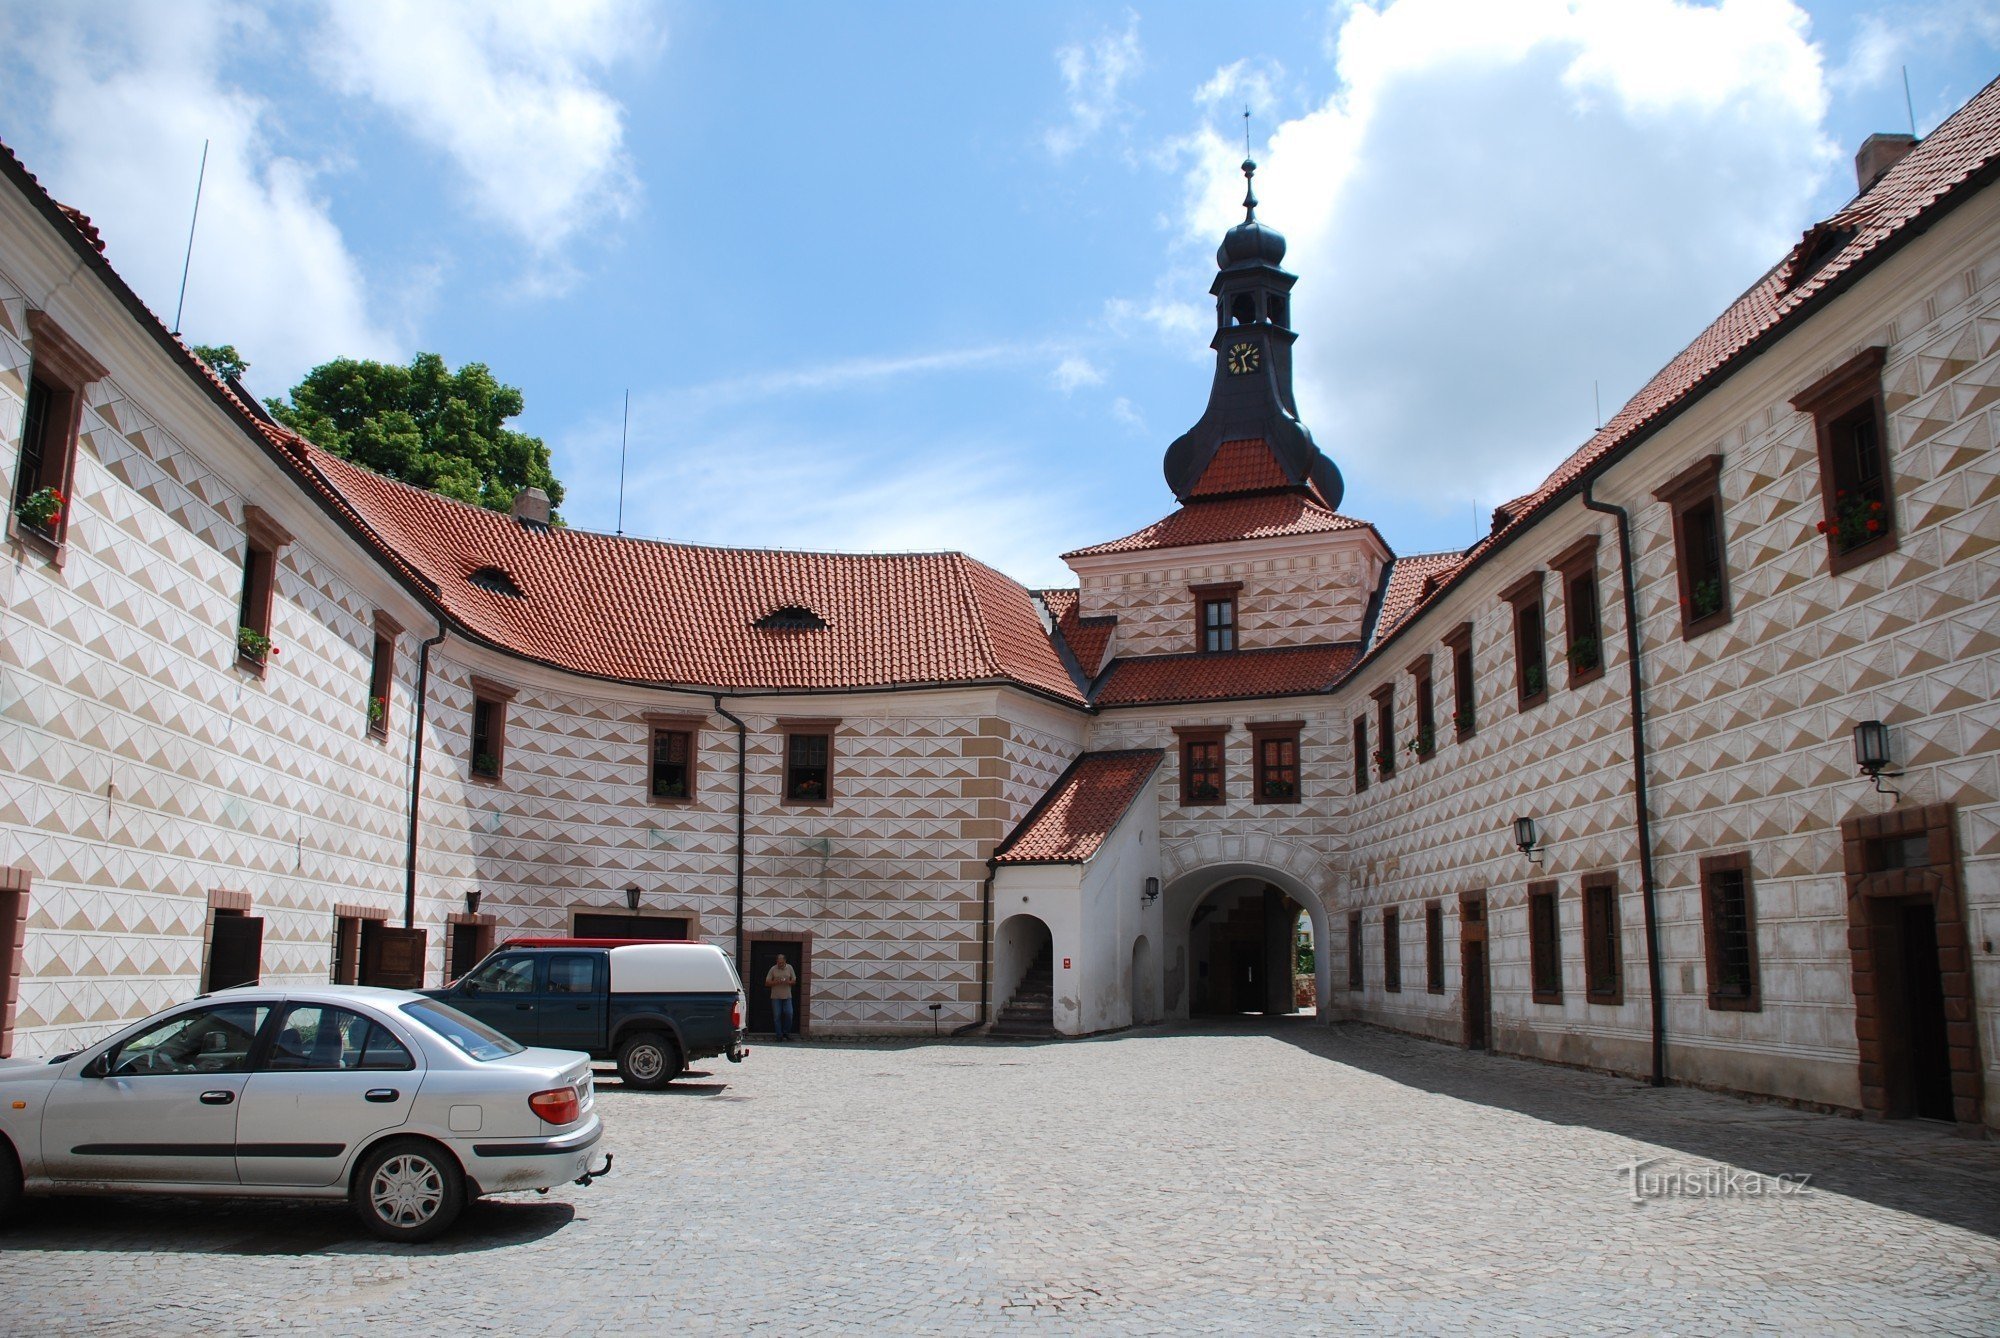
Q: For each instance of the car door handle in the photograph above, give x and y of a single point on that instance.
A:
(583, 1008)
(522, 1008)
(217, 1098)
(381, 1095)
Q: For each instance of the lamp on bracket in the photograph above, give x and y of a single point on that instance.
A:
(1152, 892)
(631, 898)
(472, 902)
(1525, 839)
(1871, 754)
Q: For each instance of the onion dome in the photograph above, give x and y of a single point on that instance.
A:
(1250, 242)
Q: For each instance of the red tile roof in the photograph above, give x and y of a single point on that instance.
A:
(1960, 155)
(1411, 579)
(1239, 467)
(1087, 638)
(1221, 521)
(1081, 808)
(1285, 671)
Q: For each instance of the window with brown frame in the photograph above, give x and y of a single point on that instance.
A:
(1531, 669)
(1360, 753)
(1392, 951)
(45, 470)
(1583, 646)
(1354, 960)
(1423, 743)
(670, 762)
(1434, 947)
(1857, 495)
(1544, 943)
(1701, 564)
(808, 761)
(1215, 616)
(1603, 955)
(1202, 779)
(489, 729)
(14, 887)
(1275, 745)
(381, 674)
(1729, 931)
(1385, 730)
(262, 540)
(1464, 685)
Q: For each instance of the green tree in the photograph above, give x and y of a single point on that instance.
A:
(424, 424)
(223, 359)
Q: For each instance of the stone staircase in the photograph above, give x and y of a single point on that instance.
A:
(1031, 1012)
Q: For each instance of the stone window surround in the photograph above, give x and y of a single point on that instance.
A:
(498, 697)
(690, 725)
(1602, 934)
(1575, 565)
(1711, 932)
(263, 540)
(790, 727)
(1275, 731)
(1464, 681)
(1700, 482)
(1519, 597)
(382, 671)
(1392, 949)
(1434, 946)
(1539, 891)
(347, 952)
(801, 989)
(1940, 882)
(1218, 592)
(1356, 966)
(16, 884)
(1189, 735)
(1854, 384)
(1385, 729)
(60, 363)
(1423, 707)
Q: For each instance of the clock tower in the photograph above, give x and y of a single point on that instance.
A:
(1251, 398)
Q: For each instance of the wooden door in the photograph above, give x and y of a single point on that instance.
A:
(1475, 987)
(763, 956)
(235, 950)
(393, 958)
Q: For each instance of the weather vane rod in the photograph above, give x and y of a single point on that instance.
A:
(199, 177)
(623, 433)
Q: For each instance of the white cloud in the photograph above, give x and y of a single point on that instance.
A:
(1092, 74)
(1885, 43)
(1076, 370)
(847, 373)
(118, 100)
(1127, 413)
(1496, 204)
(509, 93)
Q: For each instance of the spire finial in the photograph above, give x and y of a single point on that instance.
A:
(1249, 171)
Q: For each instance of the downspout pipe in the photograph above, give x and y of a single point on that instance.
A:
(1642, 808)
(985, 948)
(417, 778)
(742, 811)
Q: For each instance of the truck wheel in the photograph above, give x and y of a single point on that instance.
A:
(408, 1190)
(648, 1061)
(10, 1181)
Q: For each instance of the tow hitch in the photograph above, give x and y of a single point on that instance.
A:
(597, 1174)
(736, 1053)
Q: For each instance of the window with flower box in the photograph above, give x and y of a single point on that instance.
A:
(1275, 745)
(1202, 779)
(1392, 950)
(1360, 753)
(1544, 944)
(489, 729)
(808, 760)
(1531, 669)
(1858, 516)
(45, 468)
(1423, 743)
(381, 674)
(672, 748)
(1583, 647)
(1385, 730)
(1701, 566)
(263, 539)
(1464, 682)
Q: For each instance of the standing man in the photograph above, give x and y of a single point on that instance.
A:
(779, 980)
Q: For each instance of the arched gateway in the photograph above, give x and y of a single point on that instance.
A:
(1230, 939)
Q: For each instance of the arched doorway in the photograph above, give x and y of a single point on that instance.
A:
(1023, 977)
(1232, 938)
(1142, 985)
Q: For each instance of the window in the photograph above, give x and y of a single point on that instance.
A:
(1531, 671)
(1360, 753)
(504, 975)
(1201, 766)
(495, 581)
(671, 758)
(1583, 648)
(808, 760)
(1392, 951)
(471, 939)
(791, 618)
(215, 1038)
(235, 943)
(1729, 926)
(14, 886)
(1424, 743)
(45, 469)
(1856, 494)
(1276, 745)
(1603, 960)
(489, 728)
(1694, 497)
(1434, 947)
(1544, 944)
(1385, 730)
(572, 973)
(262, 538)
(319, 1038)
(1354, 964)
(381, 674)
(1215, 616)
(470, 1036)
(1464, 686)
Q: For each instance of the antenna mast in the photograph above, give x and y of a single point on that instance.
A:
(1909, 105)
(623, 433)
(200, 177)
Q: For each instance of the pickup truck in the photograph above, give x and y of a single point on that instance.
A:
(653, 1008)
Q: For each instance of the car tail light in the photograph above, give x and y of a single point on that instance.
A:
(736, 1014)
(558, 1105)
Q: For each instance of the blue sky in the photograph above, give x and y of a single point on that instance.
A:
(934, 276)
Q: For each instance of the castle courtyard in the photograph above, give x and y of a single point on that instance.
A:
(1227, 1176)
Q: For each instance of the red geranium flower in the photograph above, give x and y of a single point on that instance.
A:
(1874, 525)
(1874, 506)
(1824, 527)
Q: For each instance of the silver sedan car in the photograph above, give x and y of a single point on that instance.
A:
(396, 1102)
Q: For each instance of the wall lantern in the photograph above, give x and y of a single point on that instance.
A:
(1524, 838)
(631, 898)
(472, 902)
(1152, 892)
(1871, 754)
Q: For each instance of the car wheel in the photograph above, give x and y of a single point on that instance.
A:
(408, 1190)
(648, 1060)
(10, 1181)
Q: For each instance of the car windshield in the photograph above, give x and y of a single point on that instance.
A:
(467, 1034)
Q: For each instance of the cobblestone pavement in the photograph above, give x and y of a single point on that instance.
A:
(1223, 1177)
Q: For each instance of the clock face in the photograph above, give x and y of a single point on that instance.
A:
(1242, 359)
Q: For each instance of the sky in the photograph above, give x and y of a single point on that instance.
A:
(904, 276)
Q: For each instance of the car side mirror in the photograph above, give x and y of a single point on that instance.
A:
(99, 1067)
(468, 987)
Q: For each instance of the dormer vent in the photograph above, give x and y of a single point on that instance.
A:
(496, 581)
(792, 618)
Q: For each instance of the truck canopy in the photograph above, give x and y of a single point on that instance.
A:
(672, 968)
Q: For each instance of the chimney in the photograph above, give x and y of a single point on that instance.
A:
(531, 506)
(1878, 154)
